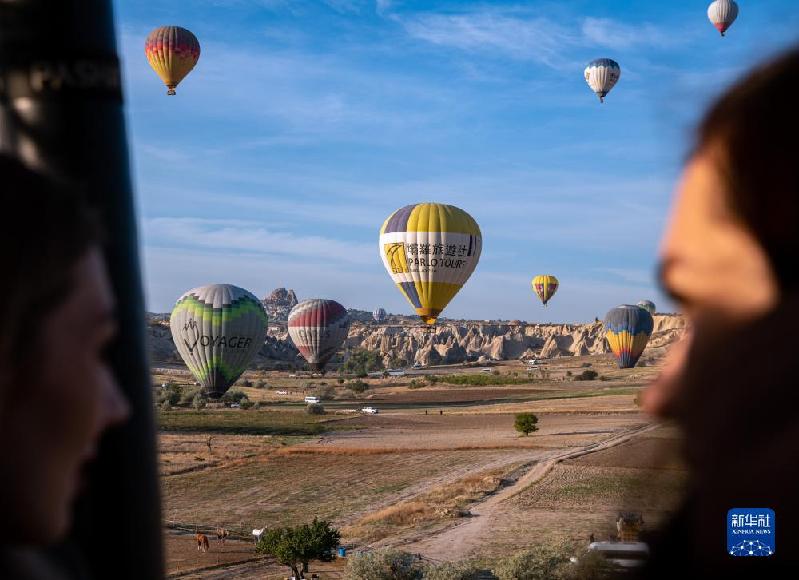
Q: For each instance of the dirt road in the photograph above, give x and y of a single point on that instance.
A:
(460, 542)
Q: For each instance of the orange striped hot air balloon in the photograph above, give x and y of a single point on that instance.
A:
(172, 51)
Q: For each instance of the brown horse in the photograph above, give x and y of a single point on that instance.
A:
(202, 542)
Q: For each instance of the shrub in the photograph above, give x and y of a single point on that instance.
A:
(233, 396)
(357, 386)
(568, 373)
(245, 383)
(586, 376)
(641, 363)
(170, 394)
(450, 571)
(585, 365)
(534, 564)
(246, 403)
(432, 379)
(340, 381)
(525, 423)
(590, 565)
(417, 384)
(495, 372)
(384, 565)
(199, 401)
(315, 409)
(325, 392)
(256, 406)
(188, 395)
(260, 385)
(166, 406)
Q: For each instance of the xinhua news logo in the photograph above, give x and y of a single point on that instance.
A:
(751, 532)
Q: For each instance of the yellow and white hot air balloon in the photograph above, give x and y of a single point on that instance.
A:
(545, 287)
(430, 250)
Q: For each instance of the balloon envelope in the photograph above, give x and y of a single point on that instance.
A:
(217, 330)
(545, 287)
(318, 328)
(172, 52)
(379, 314)
(722, 13)
(430, 250)
(628, 329)
(648, 305)
(602, 75)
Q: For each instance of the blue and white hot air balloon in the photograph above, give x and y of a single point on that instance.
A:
(601, 75)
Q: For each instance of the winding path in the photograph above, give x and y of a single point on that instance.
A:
(461, 541)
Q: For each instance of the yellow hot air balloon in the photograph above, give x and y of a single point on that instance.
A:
(545, 287)
(172, 51)
(430, 250)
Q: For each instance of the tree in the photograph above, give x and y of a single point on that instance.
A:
(296, 546)
(362, 362)
(525, 423)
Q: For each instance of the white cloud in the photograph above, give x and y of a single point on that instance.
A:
(538, 39)
(618, 35)
(247, 236)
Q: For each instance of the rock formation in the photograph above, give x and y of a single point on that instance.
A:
(279, 303)
(446, 343)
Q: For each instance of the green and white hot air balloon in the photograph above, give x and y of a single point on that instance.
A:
(217, 330)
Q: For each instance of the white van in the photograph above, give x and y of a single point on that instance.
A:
(311, 400)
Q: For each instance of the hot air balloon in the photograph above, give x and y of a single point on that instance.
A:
(545, 287)
(647, 305)
(601, 75)
(379, 314)
(430, 250)
(318, 328)
(628, 329)
(172, 51)
(217, 330)
(722, 13)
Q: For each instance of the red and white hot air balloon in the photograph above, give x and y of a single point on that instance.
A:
(722, 13)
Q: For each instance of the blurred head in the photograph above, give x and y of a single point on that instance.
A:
(57, 393)
(729, 249)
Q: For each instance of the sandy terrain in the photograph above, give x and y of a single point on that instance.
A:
(395, 478)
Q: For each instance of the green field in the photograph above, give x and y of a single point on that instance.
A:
(246, 422)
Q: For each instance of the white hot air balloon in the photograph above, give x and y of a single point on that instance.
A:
(722, 13)
(601, 75)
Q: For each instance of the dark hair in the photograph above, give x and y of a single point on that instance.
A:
(756, 126)
(46, 228)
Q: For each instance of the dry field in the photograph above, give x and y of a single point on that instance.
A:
(410, 479)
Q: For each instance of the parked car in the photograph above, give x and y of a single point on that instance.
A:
(282, 392)
(622, 554)
(370, 411)
(311, 400)
(485, 370)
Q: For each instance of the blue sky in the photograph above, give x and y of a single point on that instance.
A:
(307, 122)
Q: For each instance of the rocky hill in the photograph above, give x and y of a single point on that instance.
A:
(279, 303)
(449, 342)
